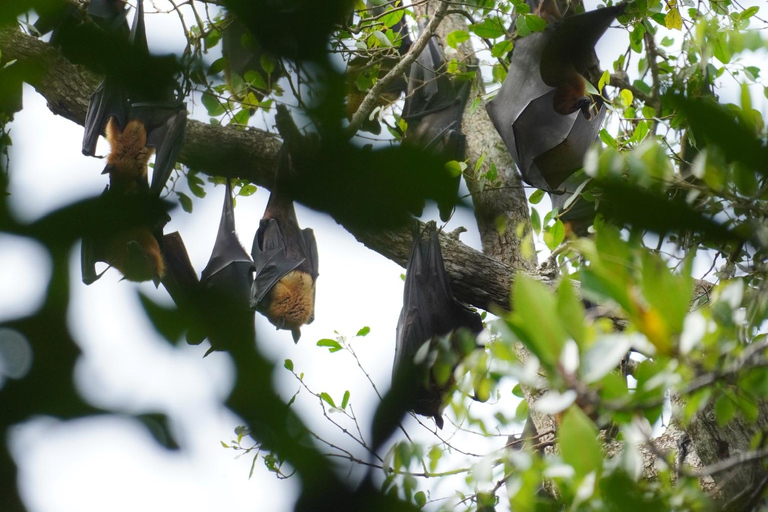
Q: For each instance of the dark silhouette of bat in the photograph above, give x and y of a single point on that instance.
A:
(133, 127)
(433, 108)
(228, 276)
(430, 312)
(285, 262)
(542, 111)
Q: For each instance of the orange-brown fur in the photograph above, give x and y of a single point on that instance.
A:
(569, 92)
(138, 267)
(292, 301)
(128, 158)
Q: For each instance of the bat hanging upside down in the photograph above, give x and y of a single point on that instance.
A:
(285, 260)
(135, 130)
(431, 315)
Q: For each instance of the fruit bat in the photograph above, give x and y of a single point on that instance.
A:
(127, 235)
(134, 126)
(110, 15)
(542, 111)
(433, 108)
(285, 262)
(429, 312)
(228, 276)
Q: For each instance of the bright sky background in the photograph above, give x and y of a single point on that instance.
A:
(111, 462)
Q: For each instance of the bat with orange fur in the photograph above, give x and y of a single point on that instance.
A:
(135, 129)
(285, 262)
(543, 112)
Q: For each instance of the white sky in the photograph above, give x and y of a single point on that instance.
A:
(111, 462)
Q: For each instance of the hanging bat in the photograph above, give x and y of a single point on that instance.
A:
(285, 262)
(429, 312)
(542, 111)
(228, 276)
(127, 235)
(433, 109)
(135, 128)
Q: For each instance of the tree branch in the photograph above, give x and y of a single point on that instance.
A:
(250, 154)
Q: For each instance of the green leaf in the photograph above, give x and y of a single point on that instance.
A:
(608, 139)
(186, 202)
(579, 446)
(217, 66)
(225, 445)
(605, 79)
(212, 39)
(363, 332)
(535, 221)
(248, 190)
(535, 23)
(256, 80)
(455, 38)
(195, 184)
(345, 400)
(555, 235)
(420, 498)
(327, 399)
(212, 105)
(532, 302)
(333, 345)
(434, 457)
(720, 48)
(536, 197)
(570, 311)
(267, 63)
(725, 409)
(382, 39)
(242, 117)
(490, 28)
(455, 168)
(749, 12)
(288, 365)
(502, 48)
(626, 97)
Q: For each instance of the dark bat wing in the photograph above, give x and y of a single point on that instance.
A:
(138, 30)
(108, 100)
(229, 272)
(166, 127)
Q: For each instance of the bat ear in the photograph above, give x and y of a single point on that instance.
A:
(208, 352)
(108, 169)
(296, 335)
(439, 421)
(156, 280)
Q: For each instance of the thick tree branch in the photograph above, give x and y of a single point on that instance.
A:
(250, 154)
